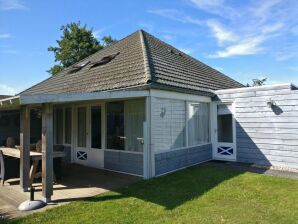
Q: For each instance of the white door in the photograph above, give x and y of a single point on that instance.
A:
(224, 126)
(88, 141)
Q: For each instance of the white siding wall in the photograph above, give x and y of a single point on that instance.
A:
(168, 124)
(266, 136)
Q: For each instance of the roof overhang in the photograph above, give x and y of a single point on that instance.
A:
(76, 97)
(10, 102)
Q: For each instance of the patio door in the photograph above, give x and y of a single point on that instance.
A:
(224, 136)
(88, 141)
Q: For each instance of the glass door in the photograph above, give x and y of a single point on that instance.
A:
(225, 131)
(89, 136)
(82, 134)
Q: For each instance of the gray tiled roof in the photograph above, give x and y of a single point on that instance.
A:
(142, 60)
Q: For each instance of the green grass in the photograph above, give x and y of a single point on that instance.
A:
(194, 195)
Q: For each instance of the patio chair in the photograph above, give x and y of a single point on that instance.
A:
(9, 167)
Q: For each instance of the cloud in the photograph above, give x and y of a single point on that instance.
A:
(97, 33)
(273, 27)
(285, 56)
(186, 50)
(176, 15)
(263, 10)
(7, 5)
(217, 7)
(248, 46)
(287, 52)
(168, 37)
(220, 33)
(7, 90)
(243, 29)
(5, 35)
(148, 26)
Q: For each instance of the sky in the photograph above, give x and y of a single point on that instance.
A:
(243, 39)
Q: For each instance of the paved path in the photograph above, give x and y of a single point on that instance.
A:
(79, 182)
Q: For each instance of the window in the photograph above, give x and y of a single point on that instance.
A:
(96, 127)
(134, 117)
(35, 125)
(224, 124)
(115, 125)
(198, 124)
(59, 126)
(82, 127)
(68, 127)
(125, 125)
(62, 125)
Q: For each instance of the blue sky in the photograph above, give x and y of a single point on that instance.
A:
(243, 39)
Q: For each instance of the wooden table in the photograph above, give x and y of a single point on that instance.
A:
(36, 157)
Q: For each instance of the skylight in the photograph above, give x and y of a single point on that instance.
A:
(174, 52)
(78, 67)
(104, 60)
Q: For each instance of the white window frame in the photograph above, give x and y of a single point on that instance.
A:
(64, 115)
(105, 127)
(187, 117)
(63, 108)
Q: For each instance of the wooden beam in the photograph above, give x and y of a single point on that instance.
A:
(25, 147)
(47, 151)
(75, 97)
(179, 96)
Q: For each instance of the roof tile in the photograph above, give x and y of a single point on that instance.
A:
(142, 59)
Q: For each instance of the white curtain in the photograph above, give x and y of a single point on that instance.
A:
(82, 126)
(198, 124)
(134, 116)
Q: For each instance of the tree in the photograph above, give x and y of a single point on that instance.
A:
(108, 40)
(257, 82)
(76, 43)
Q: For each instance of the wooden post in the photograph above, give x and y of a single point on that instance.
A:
(47, 152)
(25, 148)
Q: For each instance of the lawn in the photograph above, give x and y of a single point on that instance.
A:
(195, 195)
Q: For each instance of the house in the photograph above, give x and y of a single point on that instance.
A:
(4, 96)
(145, 108)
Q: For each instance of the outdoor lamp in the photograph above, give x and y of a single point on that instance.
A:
(270, 103)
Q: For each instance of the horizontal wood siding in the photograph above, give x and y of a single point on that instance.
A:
(124, 162)
(173, 160)
(168, 124)
(266, 136)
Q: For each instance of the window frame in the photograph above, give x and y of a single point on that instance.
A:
(106, 124)
(63, 108)
(187, 118)
(64, 126)
(102, 124)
